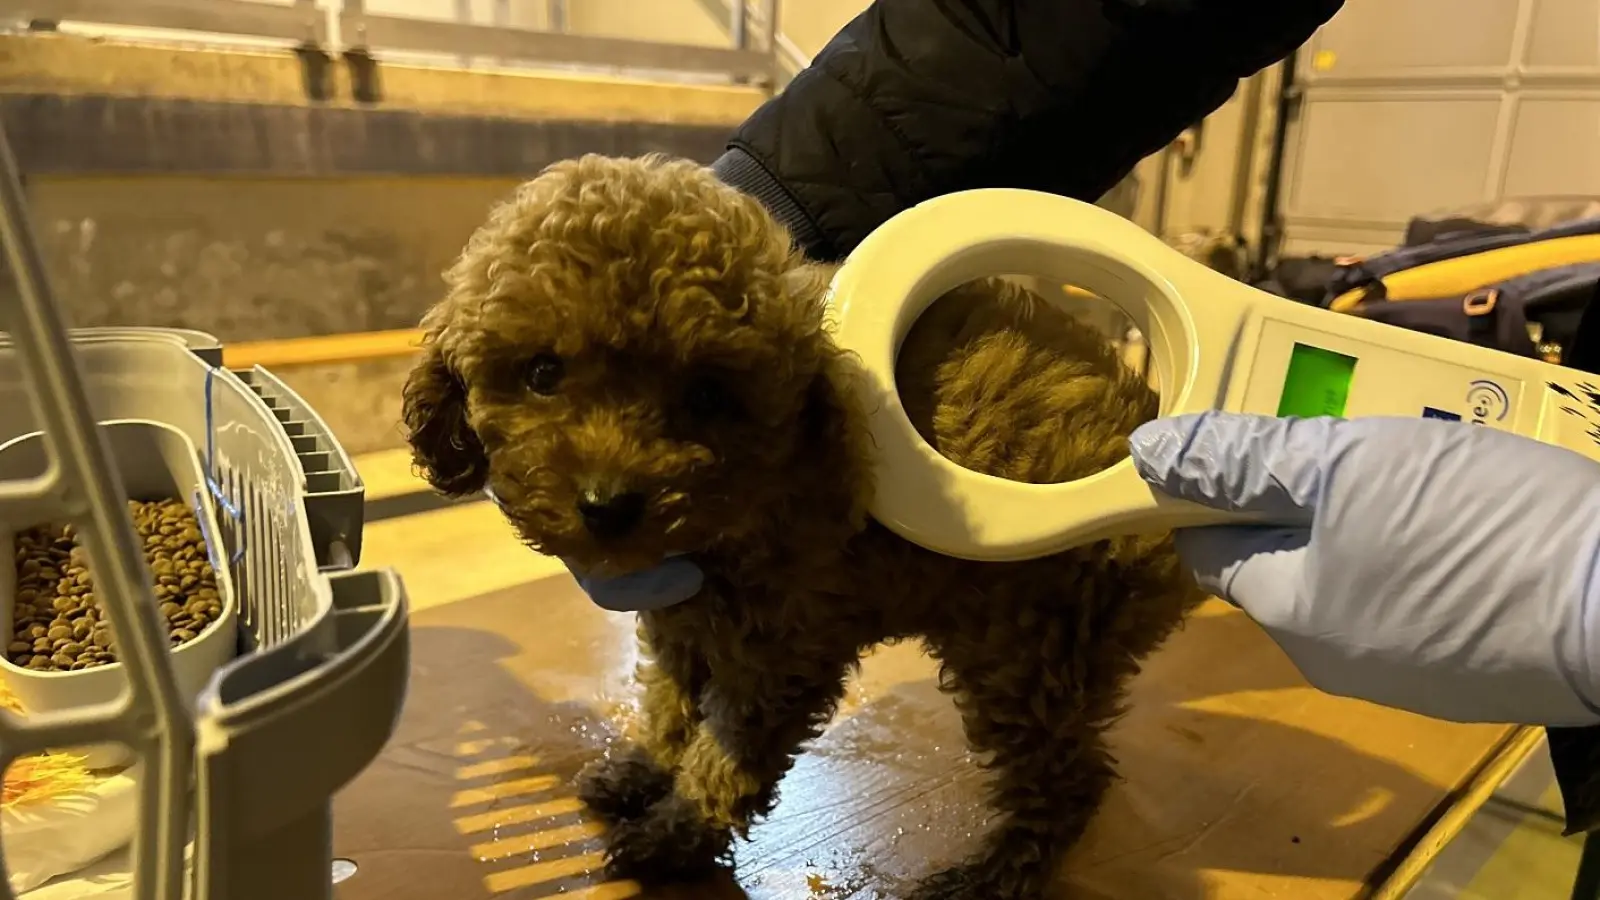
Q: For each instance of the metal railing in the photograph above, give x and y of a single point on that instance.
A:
(347, 27)
(301, 22)
(377, 32)
(789, 57)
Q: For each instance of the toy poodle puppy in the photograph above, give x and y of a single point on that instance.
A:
(632, 357)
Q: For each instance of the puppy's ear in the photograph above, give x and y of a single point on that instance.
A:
(443, 446)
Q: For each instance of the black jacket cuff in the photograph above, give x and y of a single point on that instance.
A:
(741, 171)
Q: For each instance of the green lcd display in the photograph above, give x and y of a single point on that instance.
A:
(1318, 383)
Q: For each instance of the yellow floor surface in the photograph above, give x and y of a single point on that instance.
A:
(1240, 780)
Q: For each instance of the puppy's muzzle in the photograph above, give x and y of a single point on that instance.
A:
(610, 514)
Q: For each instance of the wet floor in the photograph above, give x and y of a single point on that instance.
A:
(1239, 781)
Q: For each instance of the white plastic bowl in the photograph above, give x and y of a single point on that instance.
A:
(156, 462)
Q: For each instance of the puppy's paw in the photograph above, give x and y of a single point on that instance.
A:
(671, 842)
(623, 786)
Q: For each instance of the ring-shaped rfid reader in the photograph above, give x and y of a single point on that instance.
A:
(1215, 343)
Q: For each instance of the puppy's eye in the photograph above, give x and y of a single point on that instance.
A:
(543, 373)
(708, 398)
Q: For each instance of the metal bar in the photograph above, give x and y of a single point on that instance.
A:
(397, 33)
(1163, 191)
(738, 26)
(351, 15)
(501, 18)
(777, 44)
(790, 56)
(1245, 163)
(791, 59)
(464, 15)
(1272, 214)
(769, 27)
(301, 22)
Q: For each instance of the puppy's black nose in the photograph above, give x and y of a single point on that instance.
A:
(609, 515)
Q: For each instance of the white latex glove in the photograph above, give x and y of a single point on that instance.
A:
(1439, 567)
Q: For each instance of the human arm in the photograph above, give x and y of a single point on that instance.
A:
(914, 99)
(1438, 567)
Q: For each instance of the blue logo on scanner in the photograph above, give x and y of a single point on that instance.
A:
(1429, 412)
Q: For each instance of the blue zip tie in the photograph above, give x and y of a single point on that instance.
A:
(205, 531)
(217, 493)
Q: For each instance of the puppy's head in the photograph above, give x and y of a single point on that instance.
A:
(630, 357)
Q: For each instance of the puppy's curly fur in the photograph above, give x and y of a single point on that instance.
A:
(635, 328)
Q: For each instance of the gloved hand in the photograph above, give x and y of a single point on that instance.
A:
(1440, 567)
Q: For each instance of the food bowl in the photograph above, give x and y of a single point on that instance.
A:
(156, 462)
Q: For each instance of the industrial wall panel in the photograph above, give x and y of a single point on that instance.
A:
(1410, 107)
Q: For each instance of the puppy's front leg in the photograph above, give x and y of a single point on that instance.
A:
(625, 784)
(673, 672)
(754, 720)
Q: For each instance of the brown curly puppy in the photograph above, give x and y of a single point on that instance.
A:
(632, 357)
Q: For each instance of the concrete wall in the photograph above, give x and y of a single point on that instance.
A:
(255, 259)
(199, 188)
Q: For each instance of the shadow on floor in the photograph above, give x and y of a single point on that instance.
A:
(513, 692)
(1512, 849)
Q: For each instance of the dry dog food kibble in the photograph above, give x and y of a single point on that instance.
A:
(57, 624)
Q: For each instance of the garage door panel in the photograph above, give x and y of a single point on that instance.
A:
(1413, 106)
(1381, 160)
(1564, 33)
(1555, 148)
(1400, 36)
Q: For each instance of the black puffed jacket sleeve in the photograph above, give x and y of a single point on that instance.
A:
(918, 98)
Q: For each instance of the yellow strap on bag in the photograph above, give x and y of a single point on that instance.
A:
(1457, 276)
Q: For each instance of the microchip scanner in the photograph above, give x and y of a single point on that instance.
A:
(1216, 344)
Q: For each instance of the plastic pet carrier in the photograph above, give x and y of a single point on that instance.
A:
(235, 785)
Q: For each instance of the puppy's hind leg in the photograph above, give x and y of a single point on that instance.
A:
(1049, 765)
(755, 721)
(626, 783)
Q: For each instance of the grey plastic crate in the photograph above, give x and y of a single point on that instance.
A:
(318, 687)
(335, 494)
(201, 344)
